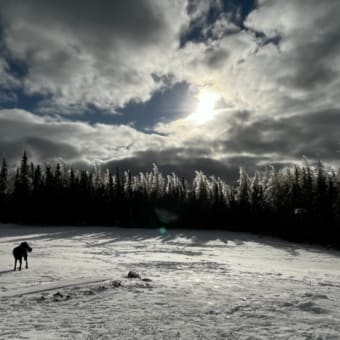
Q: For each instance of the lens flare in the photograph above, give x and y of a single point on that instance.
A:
(162, 231)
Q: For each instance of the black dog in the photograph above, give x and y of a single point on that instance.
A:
(21, 252)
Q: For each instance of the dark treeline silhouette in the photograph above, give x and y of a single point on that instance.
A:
(301, 203)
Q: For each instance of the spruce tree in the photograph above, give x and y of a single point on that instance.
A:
(243, 189)
(37, 179)
(24, 175)
(3, 178)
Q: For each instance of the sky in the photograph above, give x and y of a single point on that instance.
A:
(206, 85)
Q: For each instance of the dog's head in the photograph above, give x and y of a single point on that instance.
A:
(26, 246)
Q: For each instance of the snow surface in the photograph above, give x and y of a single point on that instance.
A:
(194, 285)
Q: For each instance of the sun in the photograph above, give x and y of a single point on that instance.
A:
(205, 107)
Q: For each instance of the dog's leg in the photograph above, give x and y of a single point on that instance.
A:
(25, 257)
(15, 264)
(20, 260)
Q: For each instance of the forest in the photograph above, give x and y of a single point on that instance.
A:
(299, 202)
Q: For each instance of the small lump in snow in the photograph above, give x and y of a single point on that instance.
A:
(58, 294)
(133, 275)
(311, 307)
(116, 283)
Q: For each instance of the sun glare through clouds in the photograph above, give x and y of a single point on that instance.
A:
(205, 109)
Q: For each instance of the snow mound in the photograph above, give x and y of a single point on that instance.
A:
(310, 306)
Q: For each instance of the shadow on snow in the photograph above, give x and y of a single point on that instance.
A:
(100, 236)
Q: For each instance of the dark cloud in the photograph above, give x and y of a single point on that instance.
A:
(43, 149)
(38, 150)
(315, 59)
(173, 160)
(216, 57)
(96, 23)
(312, 135)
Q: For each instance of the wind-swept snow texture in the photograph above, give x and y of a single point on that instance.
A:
(201, 285)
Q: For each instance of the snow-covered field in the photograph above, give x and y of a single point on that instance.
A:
(204, 285)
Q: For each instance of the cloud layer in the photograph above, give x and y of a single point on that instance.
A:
(48, 139)
(275, 67)
(86, 53)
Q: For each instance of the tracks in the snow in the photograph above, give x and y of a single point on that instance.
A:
(52, 286)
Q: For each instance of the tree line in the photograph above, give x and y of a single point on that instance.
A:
(301, 203)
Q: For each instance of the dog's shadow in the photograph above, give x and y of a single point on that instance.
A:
(6, 271)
